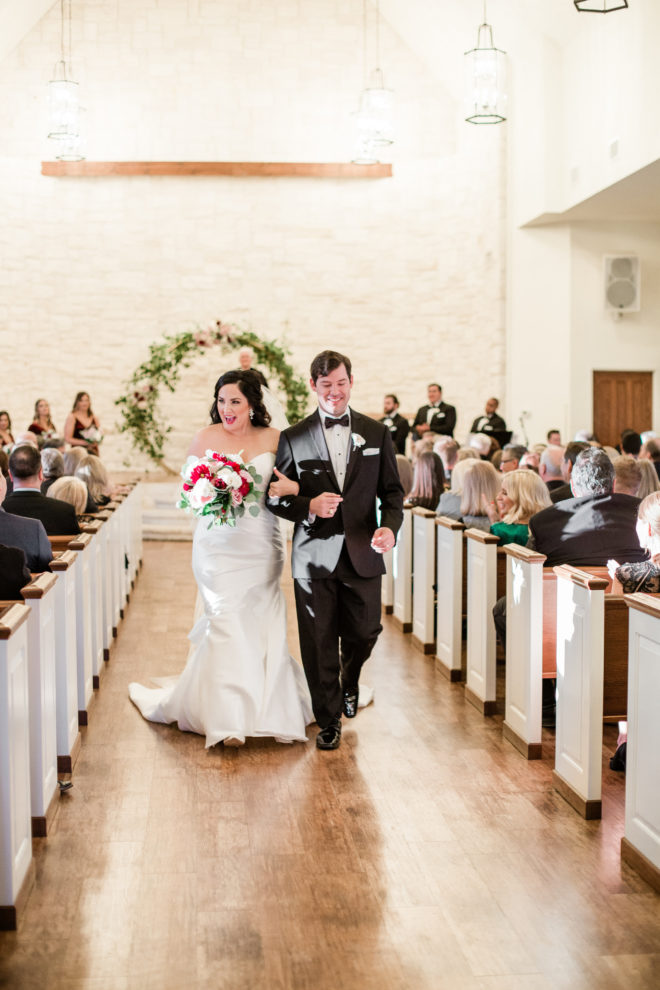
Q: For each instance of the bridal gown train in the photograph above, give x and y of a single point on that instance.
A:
(239, 679)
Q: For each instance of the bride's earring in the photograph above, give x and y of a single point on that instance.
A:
(251, 413)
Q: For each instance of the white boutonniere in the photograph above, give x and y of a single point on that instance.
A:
(358, 441)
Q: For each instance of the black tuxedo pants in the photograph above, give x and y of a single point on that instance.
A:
(338, 624)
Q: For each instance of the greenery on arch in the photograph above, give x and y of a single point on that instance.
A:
(140, 415)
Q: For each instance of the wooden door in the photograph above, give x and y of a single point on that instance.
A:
(621, 400)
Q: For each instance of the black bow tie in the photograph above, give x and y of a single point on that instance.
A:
(342, 421)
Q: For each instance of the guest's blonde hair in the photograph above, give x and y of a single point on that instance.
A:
(71, 490)
(649, 512)
(93, 474)
(466, 453)
(650, 482)
(72, 459)
(528, 493)
(458, 474)
(628, 473)
(405, 473)
(481, 481)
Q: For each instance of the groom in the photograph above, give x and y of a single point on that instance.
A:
(343, 461)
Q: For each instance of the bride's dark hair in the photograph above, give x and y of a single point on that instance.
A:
(249, 384)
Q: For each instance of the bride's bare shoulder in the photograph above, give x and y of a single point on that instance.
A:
(209, 438)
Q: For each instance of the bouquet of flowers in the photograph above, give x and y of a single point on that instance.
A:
(92, 435)
(219, 486)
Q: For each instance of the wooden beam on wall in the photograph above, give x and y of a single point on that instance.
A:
(327, 170)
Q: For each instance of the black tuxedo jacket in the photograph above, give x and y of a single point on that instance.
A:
(587, 531)
(371, 474)
(14, 574)
(28, 535)
(493, 424)
(399, 428)
(59, 518)
(443, 420)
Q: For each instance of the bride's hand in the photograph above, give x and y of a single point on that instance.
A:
(283, 486)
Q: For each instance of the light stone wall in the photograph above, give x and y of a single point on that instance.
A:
(404, 274)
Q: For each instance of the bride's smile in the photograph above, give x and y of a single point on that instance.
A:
(233, 409)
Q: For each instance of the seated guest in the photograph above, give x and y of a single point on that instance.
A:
(437, 416)
(550, 467)
(42, 425)
(70, 490)
(481, 485)
(6, 436)
(650, 481)
(28, 535)
(52, 467)
(14, 573)
(93, 474)
(423, 446)
(4, 470)
(496, 459)
(447, 449)
(405, 473)
(481, 443)
(27, 437)
(490, 422)
(569, 458)
(428, 481)
(245, 359)
(72, 459)
(627, 475)
(450, 502)
(594, 525)
(467, 454)
(398, 426)
(511, 454)
(554, 437)
(26, 498)
(643, 575)
(631, 443)
(521, 496)
(651, 452)
(531, 461)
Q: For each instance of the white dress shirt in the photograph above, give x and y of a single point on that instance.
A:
(338, 440)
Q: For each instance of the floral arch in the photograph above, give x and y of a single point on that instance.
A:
(140, 416)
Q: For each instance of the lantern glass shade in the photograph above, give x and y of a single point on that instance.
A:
(600, 6)
(69, 149)
(485, 81)
(375, 114)
(64, 109)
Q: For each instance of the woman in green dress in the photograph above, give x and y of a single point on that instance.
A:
(522, 495)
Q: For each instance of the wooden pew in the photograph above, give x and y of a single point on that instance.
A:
(423, 590)
(97, 549)
(66, 661)
(40, 594)
(402, 567)
(17, 870)
(640, 845)
(387, 586)
(486, 583)
(451, 586)
(592, 651)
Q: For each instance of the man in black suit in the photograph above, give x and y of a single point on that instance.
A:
(343, 461)
(571, 453)
(437, 416)
(490, 422)
(14, 574)
(27, 535)
(398, 426)
(59, 518)
(595, 525)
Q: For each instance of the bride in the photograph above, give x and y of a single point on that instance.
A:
(239, 680)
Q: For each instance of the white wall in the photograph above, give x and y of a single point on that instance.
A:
(406, 275)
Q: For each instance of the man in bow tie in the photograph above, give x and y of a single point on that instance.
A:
(343, 463)
(437, 416)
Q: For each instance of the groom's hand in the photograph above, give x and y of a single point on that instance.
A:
(382, 540)
(325, 505)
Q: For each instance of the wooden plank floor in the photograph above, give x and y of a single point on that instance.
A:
(425, 853)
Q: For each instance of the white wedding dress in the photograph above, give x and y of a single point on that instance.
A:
(239, 679)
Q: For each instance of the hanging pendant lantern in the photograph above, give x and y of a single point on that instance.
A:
(374, 120)
(600, 6)
(485, 80)
(65, 112)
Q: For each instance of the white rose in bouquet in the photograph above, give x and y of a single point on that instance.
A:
(187, 469)
(203, 493)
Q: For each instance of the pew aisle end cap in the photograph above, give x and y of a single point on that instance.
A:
(644, 602)
(12, 615)
(524, 553)
(449, 523)
(80, 542)
(479, 536)
(580, 577)
(92, 526)
(63, 560)
(419, 511)
(39, 586)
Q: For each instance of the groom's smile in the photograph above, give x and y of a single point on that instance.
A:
(333, 391)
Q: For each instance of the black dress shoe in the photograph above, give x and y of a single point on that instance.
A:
(330, 737)
(350, 702)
